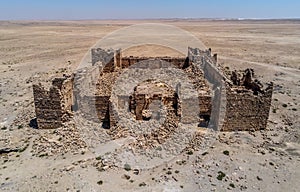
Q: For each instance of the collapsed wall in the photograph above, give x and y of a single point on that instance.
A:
(53, 106)
(239, 104)
(208, 65)
(247, 103)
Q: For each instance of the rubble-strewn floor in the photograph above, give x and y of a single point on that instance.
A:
(83, 157)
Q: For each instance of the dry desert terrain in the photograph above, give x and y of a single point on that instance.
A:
(64, 159)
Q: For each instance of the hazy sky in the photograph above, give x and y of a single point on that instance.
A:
(139, 9)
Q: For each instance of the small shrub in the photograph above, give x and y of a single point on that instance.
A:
(127, 177)
(3, 128)
(176, 171)
(232, 185)
(159, 148)
(221, 175)
(226, 152)
(190, 153)
(98, 158)
(127, 167)
(136, 171)
(284, 105)
(142, 184)
(205, 153)
(169, 172)
(294, 109)
(20, 126)
(100, 182)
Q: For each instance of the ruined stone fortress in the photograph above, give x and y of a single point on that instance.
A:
(226, 100)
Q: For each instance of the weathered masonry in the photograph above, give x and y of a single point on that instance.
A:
(53, 107)
(227, 101)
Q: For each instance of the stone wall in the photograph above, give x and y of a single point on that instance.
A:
(204, 60)
(208, 63)
(53, 107)
(117, 63)
(212, 73)
(65, 85)
(246, 111)
(112, 113)
(95, 108)
(146, 93)
(217, 80)
(111, 59)
(205, 105)
(226, 105)
(242, 108)
(176, 62)
(196, 55)
(101, 55)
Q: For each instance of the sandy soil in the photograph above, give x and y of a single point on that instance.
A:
(266, 160)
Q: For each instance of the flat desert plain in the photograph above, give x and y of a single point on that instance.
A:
(64, 159)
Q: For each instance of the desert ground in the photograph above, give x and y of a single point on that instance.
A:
(64, 159)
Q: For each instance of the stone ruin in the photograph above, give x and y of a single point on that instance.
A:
(147, 92)
(227, 101)
(53, 107)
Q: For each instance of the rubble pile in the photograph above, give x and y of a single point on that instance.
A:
(62, 140)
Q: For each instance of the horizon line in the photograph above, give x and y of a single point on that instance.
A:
(166, 18)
